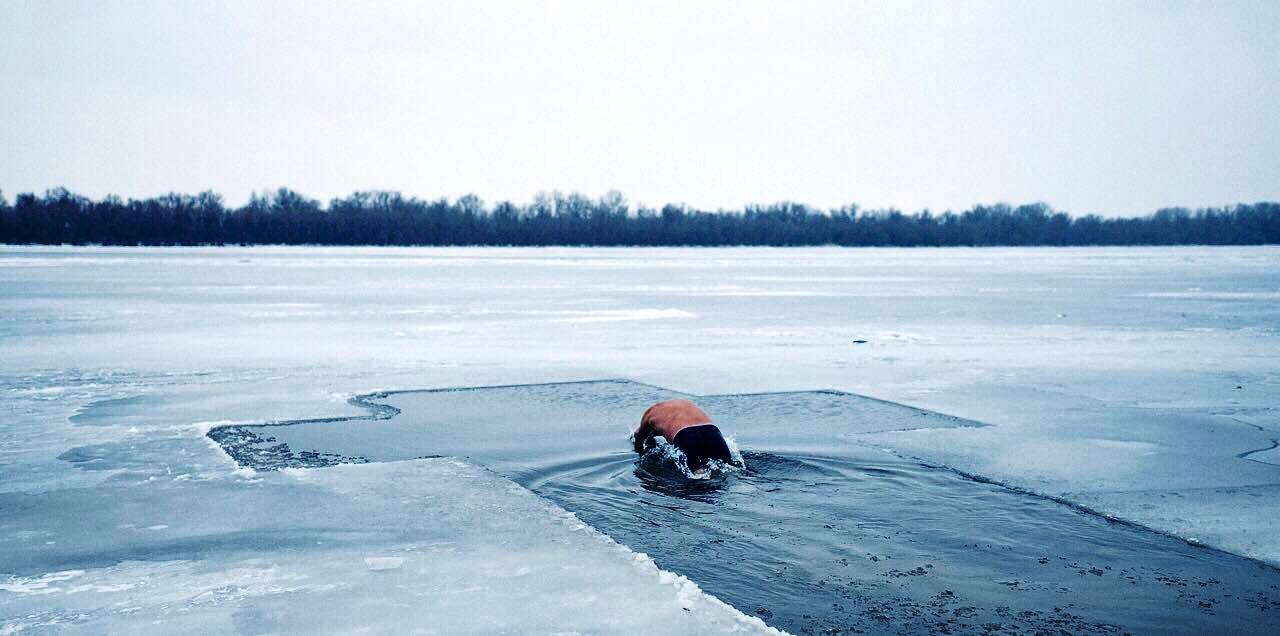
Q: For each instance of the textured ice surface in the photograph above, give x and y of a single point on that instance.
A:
(1103, 371)
(436, 546)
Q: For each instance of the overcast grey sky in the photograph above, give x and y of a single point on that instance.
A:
(1115, 108)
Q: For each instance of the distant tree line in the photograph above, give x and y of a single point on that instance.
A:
(389, 218)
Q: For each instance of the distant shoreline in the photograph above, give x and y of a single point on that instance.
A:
(380, 218)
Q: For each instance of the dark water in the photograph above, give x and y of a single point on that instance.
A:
(816, 534)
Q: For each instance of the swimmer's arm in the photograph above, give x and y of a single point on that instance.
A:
(642, 435)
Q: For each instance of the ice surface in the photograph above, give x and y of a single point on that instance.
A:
(1150, 371)
(435, 546)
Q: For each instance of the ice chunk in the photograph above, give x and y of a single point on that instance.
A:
(277, 554)
(384, 563)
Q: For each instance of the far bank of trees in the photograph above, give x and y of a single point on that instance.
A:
(389, 218)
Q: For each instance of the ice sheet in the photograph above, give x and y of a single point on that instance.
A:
(432, 546)
(1140, 368)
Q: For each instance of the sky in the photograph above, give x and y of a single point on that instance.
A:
(1110, 108)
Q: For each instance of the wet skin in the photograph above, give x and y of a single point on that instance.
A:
(667, 418)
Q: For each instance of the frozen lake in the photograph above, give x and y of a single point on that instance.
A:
(1139, 383)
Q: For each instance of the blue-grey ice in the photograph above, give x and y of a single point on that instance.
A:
(1140, 382)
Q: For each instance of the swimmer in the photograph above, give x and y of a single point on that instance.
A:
(684, 426)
